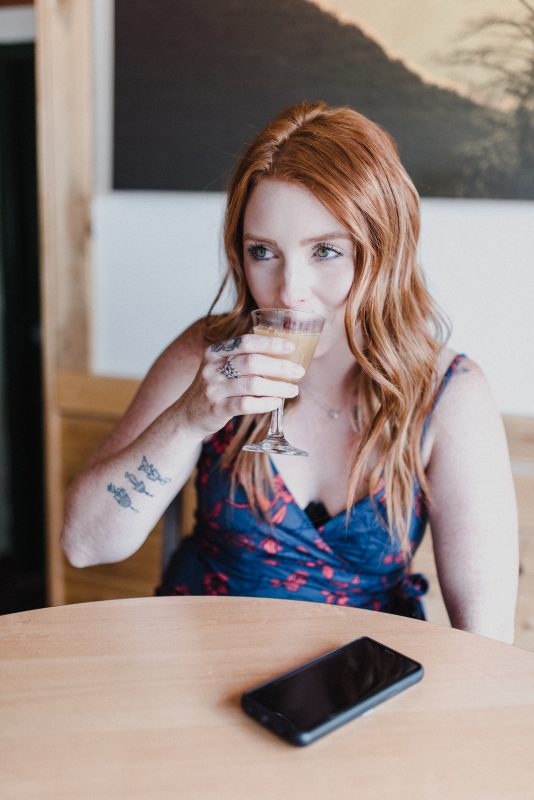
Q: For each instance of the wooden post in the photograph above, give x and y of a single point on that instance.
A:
(65, 158)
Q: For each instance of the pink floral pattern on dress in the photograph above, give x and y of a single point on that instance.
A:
(216, 583)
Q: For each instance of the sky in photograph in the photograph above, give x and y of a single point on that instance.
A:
(419, 31)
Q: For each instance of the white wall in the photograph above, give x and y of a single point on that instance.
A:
(479, 259)
(17, 25)
(158, 262)
(156, 259)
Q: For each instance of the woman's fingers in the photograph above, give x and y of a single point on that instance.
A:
(249, 374)
(251, 386)
(250, 343)
(267, 367)
(255, 355)
(257, 386)
(251, 405)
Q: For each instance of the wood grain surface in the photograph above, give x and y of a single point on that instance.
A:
(140, 699)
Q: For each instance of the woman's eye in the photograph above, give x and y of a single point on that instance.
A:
(327, 252)
(259, 252)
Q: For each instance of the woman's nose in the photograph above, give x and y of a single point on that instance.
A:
(295, 286)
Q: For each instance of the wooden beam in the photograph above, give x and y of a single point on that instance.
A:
(65, 149)
(85, 395)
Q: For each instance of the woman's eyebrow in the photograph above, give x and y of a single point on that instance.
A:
(326, 236)
(258, 238)
(323, 237)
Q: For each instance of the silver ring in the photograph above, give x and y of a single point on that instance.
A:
(228, 370)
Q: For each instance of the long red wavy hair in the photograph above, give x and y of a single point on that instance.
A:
(352, 166)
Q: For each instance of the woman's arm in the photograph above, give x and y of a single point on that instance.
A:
(114, 503)
(120, 495)
(473, 512)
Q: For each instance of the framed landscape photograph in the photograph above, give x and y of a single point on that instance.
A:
(452, 82)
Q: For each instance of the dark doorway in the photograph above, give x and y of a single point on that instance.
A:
(22, 581)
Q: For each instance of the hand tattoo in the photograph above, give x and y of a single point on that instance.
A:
(226, 347)
(139, 486)
(151, 472)
(121, 496)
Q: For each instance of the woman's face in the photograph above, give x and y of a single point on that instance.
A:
(297, 255)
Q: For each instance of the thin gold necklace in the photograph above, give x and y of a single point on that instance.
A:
(333, 413)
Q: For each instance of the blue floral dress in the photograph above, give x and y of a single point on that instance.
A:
(234, 551)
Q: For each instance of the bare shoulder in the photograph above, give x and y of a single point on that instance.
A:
(467, 385)
(466, 403)
(174, 369)
(167, 379)
(185, 352)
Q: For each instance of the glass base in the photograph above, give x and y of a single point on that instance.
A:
(275, 444)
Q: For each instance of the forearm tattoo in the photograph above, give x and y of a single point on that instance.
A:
(121, 496)
(226, 347)
(139, 486)
(151, 472)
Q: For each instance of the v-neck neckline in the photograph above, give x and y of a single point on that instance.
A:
(302, 511)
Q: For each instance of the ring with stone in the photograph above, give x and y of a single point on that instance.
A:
(228, 370)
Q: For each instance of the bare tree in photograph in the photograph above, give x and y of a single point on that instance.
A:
(504, 48)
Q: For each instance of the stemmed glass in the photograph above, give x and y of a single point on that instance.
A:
(304, 329)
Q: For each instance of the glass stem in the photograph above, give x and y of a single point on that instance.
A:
(277, 418)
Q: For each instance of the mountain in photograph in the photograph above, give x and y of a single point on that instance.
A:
(195, 81)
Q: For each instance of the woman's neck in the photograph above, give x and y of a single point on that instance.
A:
(331, 376)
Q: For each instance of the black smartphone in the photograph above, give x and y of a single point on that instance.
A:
(319, 696)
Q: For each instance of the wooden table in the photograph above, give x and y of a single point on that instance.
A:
(140, 699)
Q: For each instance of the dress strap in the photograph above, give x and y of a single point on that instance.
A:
(452, 368)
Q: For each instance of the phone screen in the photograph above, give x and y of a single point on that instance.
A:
(334, 683)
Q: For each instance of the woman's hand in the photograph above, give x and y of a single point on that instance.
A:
(245, 375)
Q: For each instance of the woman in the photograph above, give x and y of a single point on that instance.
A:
(321, 216)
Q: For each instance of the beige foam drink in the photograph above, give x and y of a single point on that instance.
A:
(303, 328)
(305, 343)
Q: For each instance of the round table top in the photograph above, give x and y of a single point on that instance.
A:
(141, 698)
